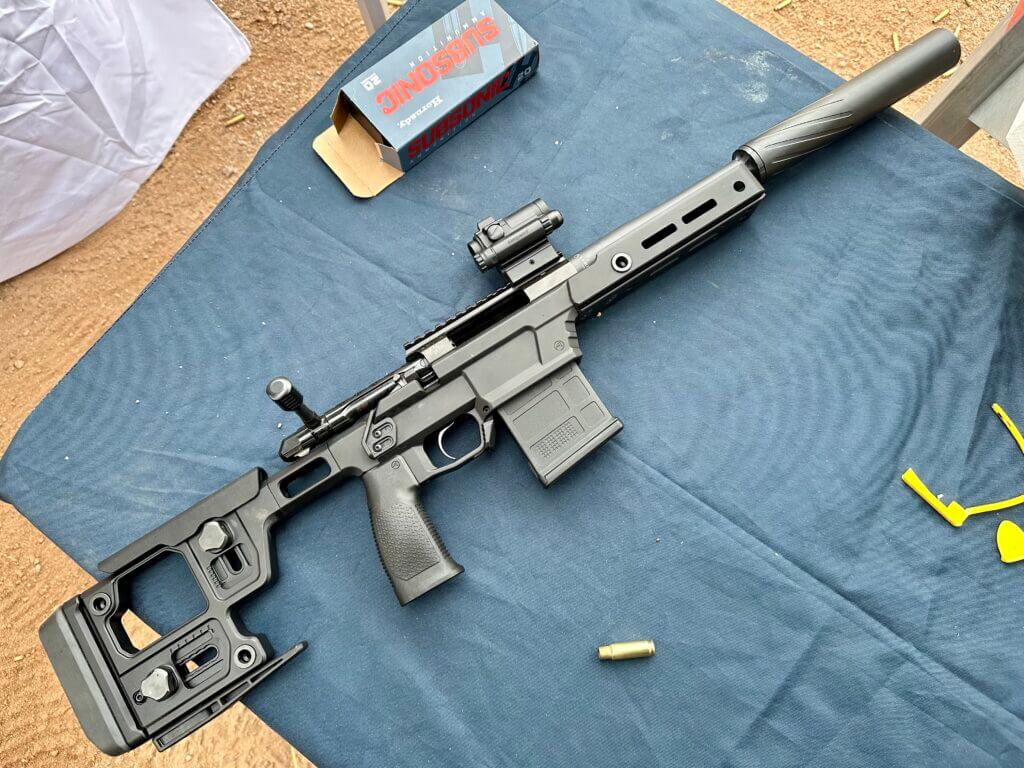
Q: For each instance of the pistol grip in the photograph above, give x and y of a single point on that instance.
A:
(413, 555)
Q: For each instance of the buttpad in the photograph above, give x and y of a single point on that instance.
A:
(558, 421)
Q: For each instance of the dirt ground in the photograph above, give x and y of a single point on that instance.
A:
(51, 315)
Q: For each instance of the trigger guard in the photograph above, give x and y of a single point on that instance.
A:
(486, 441)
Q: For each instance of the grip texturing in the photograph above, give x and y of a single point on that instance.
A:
(406, 540)
(411, 551)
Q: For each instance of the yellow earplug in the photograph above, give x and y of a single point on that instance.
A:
(1010, 541)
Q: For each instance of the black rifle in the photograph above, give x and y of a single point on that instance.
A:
(513, 354)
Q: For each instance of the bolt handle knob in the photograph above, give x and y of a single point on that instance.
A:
(288, 398)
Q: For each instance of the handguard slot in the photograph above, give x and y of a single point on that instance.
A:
(700, 210)
(658, 236)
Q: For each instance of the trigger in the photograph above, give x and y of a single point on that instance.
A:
(440, 442)
(457, 441)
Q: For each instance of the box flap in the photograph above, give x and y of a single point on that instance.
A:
(354, 156)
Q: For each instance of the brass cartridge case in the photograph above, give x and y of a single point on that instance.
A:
(634, 649)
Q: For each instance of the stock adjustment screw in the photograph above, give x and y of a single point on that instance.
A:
(158, 684)
(214, 536)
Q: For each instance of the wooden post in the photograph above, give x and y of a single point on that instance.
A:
(949, 112)
(373, 14)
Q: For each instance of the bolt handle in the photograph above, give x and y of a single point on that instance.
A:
(288, 398)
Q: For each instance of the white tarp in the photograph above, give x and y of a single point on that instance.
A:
(92, 95)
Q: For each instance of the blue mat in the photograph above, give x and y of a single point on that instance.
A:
(807, 608)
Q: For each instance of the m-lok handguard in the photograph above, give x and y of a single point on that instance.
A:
(514, 353)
